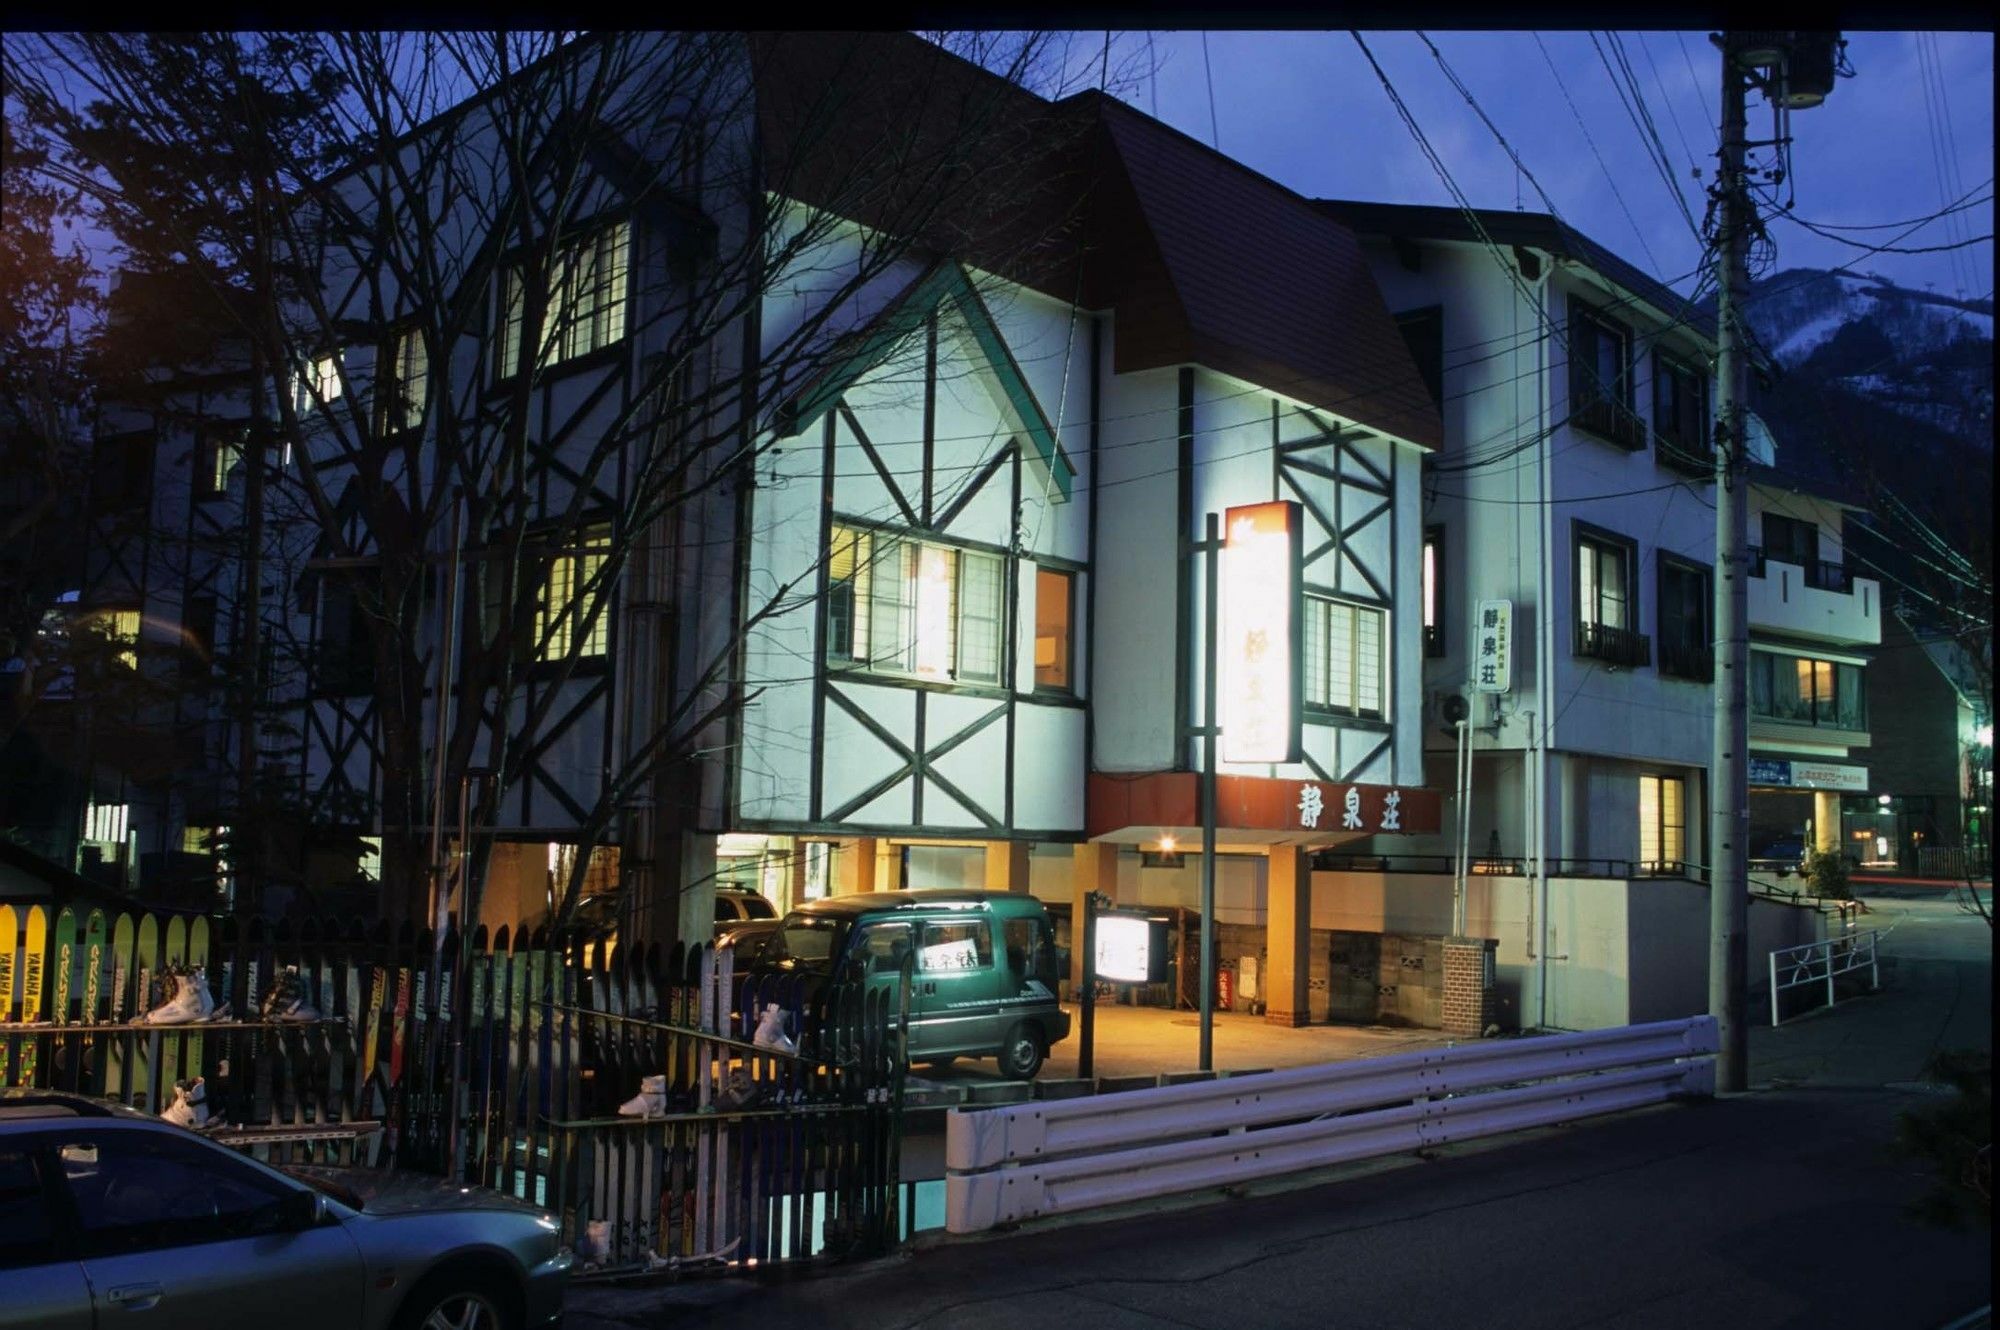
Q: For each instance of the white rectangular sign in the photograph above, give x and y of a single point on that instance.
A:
(1257, 688)
(1124, 948)
(1493, 646)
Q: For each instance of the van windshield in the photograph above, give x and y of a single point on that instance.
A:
(809, 941)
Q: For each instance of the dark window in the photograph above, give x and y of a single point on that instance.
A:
(1054, 605)
(122, 473)
(1600, 377)
(1434, 591)
(881, 948)
(1607, 599)
(26, 1235)
(197, 638)
(1683, 620)
(1789, 540)
(1680, 407)
(137, 1192)
(1423, 332)
(346, 657)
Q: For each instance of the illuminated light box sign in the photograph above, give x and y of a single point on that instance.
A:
(1493, 636)
(1258, 636)
(1131, 949)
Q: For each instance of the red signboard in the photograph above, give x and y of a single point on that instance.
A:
(1310, 809)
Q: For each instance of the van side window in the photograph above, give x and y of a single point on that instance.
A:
(882, 947)
(956, 945)
(1021, 939)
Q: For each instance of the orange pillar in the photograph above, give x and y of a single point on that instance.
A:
(1288, 937)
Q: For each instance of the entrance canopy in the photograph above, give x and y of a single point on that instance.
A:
(1259, 810)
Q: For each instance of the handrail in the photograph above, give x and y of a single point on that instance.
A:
(1813, 963)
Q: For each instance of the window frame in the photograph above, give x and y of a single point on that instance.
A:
(393, 379)
(1632, 648)
(213, 442)
(342, 668)
(1665, 833)
(508, 338)
(1431, 576)
(1066, 686)
(545, 626)
(1675, 660)
(1761, 660)
(1672, 368)
(1381, 712)
(860, 591)
(1790, 552)
(1603, 411)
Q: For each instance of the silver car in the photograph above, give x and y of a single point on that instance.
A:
(105, 1211)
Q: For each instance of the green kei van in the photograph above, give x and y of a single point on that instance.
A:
(984, 978)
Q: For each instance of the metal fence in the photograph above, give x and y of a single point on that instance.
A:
(1057, 1157)
(1819, 966)
(507, 1068)
(1954, 861)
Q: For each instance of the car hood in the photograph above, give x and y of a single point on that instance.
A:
(385, 1192)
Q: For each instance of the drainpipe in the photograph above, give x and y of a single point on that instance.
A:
(1538, 749)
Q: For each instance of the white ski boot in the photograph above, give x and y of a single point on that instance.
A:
(184, 1005)
(771, 1031)
(190, 1106)
(650, 1102)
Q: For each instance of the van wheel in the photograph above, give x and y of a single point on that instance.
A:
(1021, 1055)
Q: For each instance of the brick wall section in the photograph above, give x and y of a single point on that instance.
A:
(1468, 986)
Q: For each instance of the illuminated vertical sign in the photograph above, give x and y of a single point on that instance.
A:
(1258, 639)
(1492, 641)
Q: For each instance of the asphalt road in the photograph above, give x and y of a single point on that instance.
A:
(1780, 1207)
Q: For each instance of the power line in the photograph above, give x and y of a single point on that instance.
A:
(1612, 180)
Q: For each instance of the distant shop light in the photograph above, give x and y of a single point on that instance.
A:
(1985, 736)
(1884, 799)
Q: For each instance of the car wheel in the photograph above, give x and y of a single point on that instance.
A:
(1021, 1055)
(449, 1301)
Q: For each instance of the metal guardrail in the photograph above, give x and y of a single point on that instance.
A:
(1056, 1157)
(1822, 963)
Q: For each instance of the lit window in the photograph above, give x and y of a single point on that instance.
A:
(1434, 591)
(1053, 608)
(900, 606)
(121, 627)
(564, 623)
(220, 454)
(319, 385)
(105, 824)
(1343, 657)
(1662, 822)
(404, 381)
(819, 869)
(586, 308)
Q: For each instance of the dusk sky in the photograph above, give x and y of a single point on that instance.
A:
(1306, 109)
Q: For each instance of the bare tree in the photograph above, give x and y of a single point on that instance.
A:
(506, 307)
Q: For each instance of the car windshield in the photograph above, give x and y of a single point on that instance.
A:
(808, 940)
(327, 1186)
(756, 907)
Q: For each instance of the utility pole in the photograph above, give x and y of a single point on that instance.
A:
(1729, 794)
(1799, 73)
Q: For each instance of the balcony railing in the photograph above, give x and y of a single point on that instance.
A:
(1688, 459)
(1614, 646)
(1688, 660)
(1611, 420)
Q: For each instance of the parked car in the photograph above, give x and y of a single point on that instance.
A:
(983, 975)
(733, 906)
(106, 1211)
(747, 938)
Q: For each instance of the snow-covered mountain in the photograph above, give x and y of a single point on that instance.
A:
(1927, 357)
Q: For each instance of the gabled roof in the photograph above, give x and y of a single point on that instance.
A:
(943, 285)
(1529, 230)
(1201, 260)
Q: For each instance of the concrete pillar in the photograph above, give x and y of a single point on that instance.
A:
(1288, 938)
(1007, 866)
(888, 867)
(1094, 868)
(1826, 821)
(853, 866)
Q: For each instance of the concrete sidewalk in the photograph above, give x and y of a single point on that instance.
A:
(1783, 1206)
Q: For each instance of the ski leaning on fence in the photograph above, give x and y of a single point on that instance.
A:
(769, 1132)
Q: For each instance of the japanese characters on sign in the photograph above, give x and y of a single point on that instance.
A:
(1492, 646)
(1258, 639)
(1312, 806)
(1131, 949)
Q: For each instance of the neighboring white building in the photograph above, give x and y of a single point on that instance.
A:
(1574, 484)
